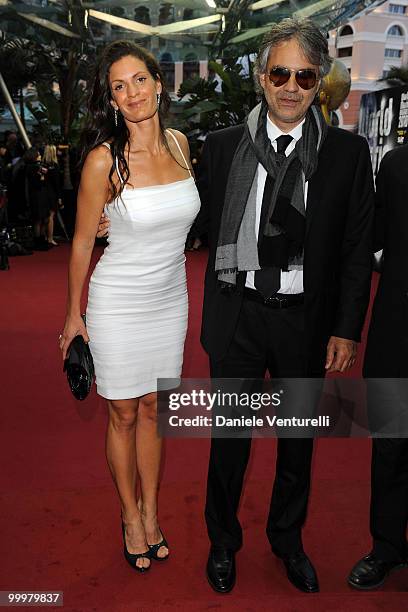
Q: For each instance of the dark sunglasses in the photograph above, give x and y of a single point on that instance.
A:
(279, 75)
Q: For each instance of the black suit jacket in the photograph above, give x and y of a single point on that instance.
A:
(338, 243)
(387, 344)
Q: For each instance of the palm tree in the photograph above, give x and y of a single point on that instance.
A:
(396, 76)
(55, 54)
(19, 63)
(209, 109)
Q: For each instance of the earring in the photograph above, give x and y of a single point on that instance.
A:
(116, 117)
(158, 100)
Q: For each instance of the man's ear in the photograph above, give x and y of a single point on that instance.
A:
(262, 80)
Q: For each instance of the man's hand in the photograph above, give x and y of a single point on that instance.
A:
(341, 354)
(103, 227)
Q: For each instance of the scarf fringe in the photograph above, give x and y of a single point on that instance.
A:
(227, 271)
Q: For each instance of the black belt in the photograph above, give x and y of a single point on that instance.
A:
(279, 300)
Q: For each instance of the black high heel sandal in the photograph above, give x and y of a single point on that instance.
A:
(154, 549)
(132, 558)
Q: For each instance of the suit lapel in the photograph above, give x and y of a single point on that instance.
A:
(317, 184)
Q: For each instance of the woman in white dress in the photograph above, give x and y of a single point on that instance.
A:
(137, 174)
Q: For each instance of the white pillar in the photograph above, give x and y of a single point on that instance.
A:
(203, 69)
(178, 75)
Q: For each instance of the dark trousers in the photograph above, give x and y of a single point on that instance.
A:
(389, 498)
(273, 340)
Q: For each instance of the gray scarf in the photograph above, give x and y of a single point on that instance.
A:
(237, 244)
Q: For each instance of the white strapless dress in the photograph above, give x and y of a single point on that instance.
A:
(137, 302)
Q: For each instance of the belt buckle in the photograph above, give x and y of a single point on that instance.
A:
(274, 300)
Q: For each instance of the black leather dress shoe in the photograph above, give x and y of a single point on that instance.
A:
(221, 569)
(301, 572)
(370, 572)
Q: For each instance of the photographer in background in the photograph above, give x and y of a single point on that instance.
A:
(3, 164)
(14, 148)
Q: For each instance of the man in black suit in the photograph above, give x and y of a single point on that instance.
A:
(289, 203)
(385, 362)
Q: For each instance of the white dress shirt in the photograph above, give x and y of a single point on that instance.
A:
(292, 281)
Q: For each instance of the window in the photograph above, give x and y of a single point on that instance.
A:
(395, 30)
(166, 57)
(142, 15)
(167, 66)
(393, 53)
(191, 67)
(166, 13)
(346, 31)
(398, 9)
(345, 52)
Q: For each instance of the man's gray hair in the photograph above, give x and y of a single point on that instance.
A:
(310, 39)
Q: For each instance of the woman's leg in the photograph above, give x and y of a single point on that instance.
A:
(121, 456)
(50, 227)
(148, 452)
(44, 227)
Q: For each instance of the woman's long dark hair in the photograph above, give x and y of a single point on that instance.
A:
(100, 121)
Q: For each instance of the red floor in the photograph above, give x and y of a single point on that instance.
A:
(60, 527)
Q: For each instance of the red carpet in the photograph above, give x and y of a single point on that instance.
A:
(60, 526)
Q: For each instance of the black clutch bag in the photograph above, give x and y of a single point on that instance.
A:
(79, 368)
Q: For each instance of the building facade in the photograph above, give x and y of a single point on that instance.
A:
(182, 55)
(369, 45)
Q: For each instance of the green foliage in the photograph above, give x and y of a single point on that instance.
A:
(19, 63)
(45, 107)
(396, 76)
(44, 104)
(51, 70)
(207, 110)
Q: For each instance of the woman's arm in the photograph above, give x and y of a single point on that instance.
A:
(92, 197)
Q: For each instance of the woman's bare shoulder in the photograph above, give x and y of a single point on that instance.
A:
(99, 159)
(95, 173)
(181, 138)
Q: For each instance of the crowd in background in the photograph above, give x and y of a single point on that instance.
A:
(32, 186)
(32, 180)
